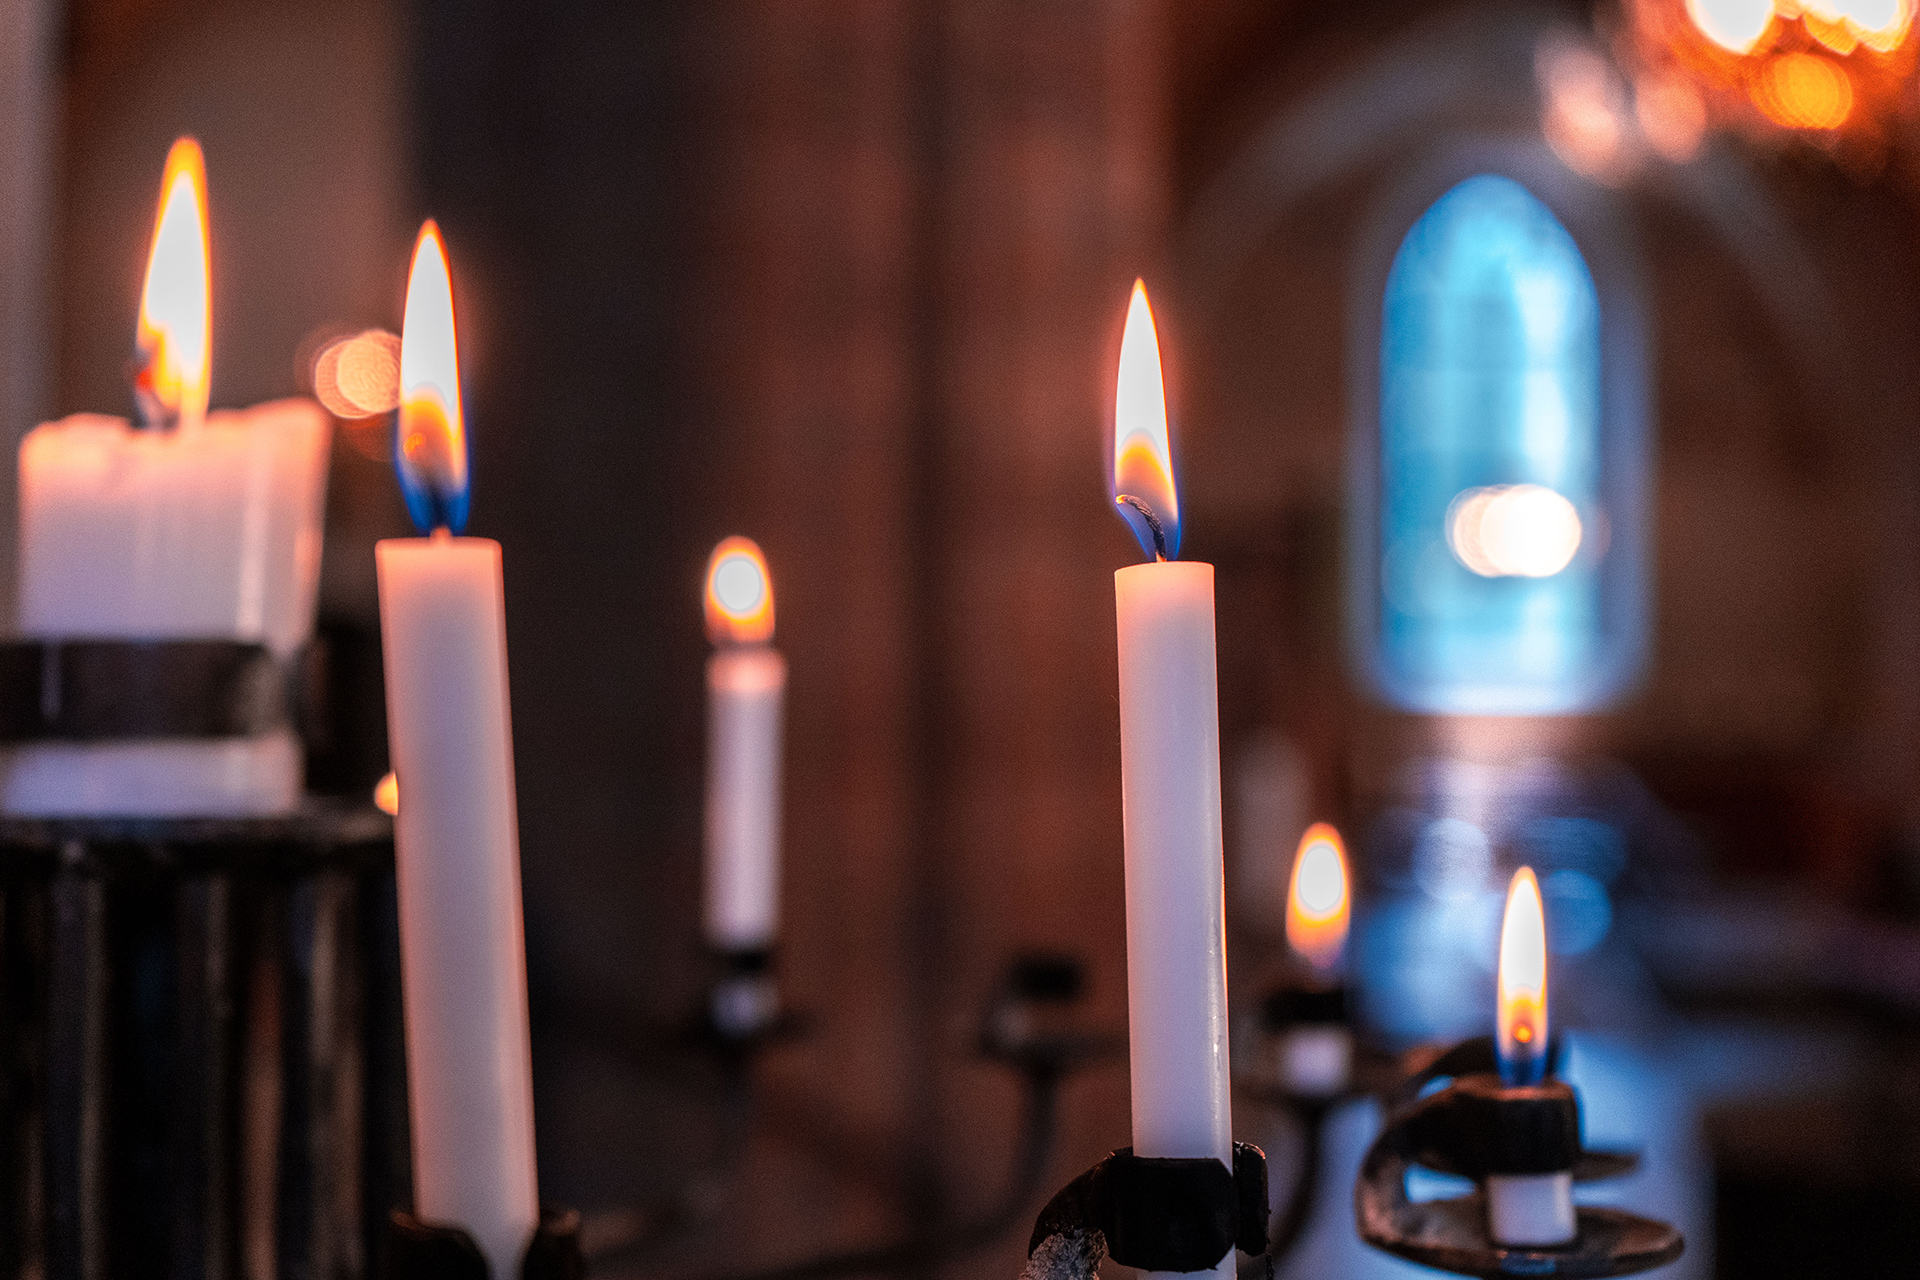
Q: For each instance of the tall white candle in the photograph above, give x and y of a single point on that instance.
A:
(1170, 779)
(746, 690)
(195, 527)
(463, 951)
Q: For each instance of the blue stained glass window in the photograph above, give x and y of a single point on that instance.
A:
(1493, 525)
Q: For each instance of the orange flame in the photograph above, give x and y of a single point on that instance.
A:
(386, 795)
(431, 444)
(173, 335)
(739, 594)
(1318, 905)
(1522, 1039)
(1142, 456)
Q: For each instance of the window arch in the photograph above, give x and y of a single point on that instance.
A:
(1497, 583)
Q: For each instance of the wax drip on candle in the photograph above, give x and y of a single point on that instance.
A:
(172, 336)
(1143, 490)
(1522, 995)
(430, 438)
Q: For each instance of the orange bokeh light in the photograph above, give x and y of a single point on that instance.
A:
(1804, 91)
(1834, 71)
(1318, 900)
(173, 336)
(1522, 995)
(386, 795)
(1142, 454)
(739, 596)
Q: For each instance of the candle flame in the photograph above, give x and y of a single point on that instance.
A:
(1318, 904)
(739, 594)
(430, 446)
(173, 335)
(386, 795)
(1522, 996)
(1142, 456)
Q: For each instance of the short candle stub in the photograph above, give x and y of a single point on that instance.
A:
(1520, 1142)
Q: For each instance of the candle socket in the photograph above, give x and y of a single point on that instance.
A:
(419, 1250)
(1521, 1144)
(1306, 1047)
(743, 1002)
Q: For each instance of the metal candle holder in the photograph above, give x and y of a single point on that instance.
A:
(1478, 1127)
(200, 1018)
(419, 1250)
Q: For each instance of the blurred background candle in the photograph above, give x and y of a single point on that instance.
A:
(746, 687)
(186, 525)
(1170, 780)
(1316, 1053)
(463, 952)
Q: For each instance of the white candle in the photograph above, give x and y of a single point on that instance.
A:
(463, 954)
(746, 689)
(1170, 779)
(199, 527)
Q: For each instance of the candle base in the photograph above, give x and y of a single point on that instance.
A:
(1157, 1215)
(419, 1250)
(1521, 1144)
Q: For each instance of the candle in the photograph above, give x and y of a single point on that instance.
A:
(189, 526)
(746, 685)
(1316, 1044)
(1526, 1208)
(463, 955)
(1170, 780)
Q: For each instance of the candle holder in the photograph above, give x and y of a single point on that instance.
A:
(743, 1011)
(1515, 1142)
(202, 1021)
(1153, 1214)
(419, 1250)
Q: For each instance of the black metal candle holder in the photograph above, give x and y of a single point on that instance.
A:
(203, 1066)
(1154, 1214)
(1477, 1127)
(419, 1250)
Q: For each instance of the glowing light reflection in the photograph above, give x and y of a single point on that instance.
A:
(359, 376)
(1804, 91)
(1513, 531)
(1732, 24)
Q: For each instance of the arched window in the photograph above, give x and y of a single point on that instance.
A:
(1492, 590)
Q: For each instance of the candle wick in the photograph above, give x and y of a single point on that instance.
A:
(442, 534)
(1153, 524)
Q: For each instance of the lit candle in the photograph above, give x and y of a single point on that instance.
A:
(1170, 780)
(463, 954)
(1316, 1043)
(746, 685)
(186, 526)
(1317, 905)
(1527, 1208)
